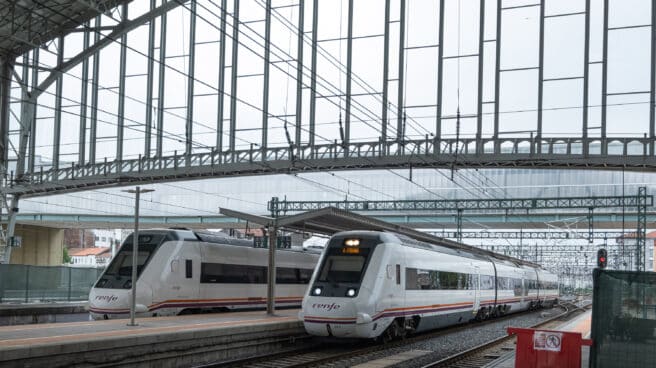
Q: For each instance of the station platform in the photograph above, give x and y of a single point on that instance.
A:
(580, 324)
(159, 341)
(28, 313)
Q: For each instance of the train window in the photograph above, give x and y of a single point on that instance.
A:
(398, 274)
(416, 279)
(188, 269)
(286, 275)
(338, 268)
(232, 274)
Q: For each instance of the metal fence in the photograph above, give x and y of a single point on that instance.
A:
(23, 283)
(623, 319)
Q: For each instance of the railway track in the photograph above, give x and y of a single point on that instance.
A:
(485, 353)
(323, 354)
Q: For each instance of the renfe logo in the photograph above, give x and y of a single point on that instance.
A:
(107, 298)
(328, 307)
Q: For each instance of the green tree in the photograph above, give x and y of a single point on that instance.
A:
(66, 258)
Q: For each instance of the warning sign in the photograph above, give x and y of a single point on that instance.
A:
(545, 340)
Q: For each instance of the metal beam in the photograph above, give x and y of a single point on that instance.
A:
(149, 84)
(233, 78)
(313, 71)
(30, 131)
(189, 126)
(56, 136)
(497, 79)
(504, 204)
(530, 235)
(400, 78)
(652, 85)
(604, 80)
(540, 79)
(81, 158)
(221, 95)
(160, 85)
(481, 52)
(6, 71)
(349, 77)
(440, 74)
(385, 102)
(586, 79)
(299, 73)
(120, 118)
(265, 92)
(95, 76)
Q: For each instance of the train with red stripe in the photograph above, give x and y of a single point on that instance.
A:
(383, 285)
(183, 271)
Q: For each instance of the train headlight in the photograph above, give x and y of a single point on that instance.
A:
(350, 292)
(316, 291)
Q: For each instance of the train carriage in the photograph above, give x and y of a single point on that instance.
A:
(182, 271)
(372, 284)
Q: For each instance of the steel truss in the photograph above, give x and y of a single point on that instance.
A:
(393, 149)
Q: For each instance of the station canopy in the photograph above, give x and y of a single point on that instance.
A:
(331, 220)
(27, 24)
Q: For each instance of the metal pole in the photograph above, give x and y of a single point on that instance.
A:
(384, 106)
(271, 279)
(604, 80)
(135, 250)
(497, 79)
(83, 101)
(652, 89)
(265, 92)
(538, 136)
(190, 83)
(221, 97)
(481, 50)
(233, 65)
(5, 94)
(149, 83)
(58, 104)
(121, 89)
(299, 72)
(160, 85)
(93, 131)
(349, 76)
(586, 73)
(399, 106)
(313, 70)
(440, 66)
(32, 120)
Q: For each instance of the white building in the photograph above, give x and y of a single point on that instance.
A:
(94, 257)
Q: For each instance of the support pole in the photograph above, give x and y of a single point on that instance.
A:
(221, 96)
(189, 128)
(149, 84)
(385, 108)
(135, 251)
(538, 136)
(234, 66)
(160, 85)
(121, 88)
(271, 277)
(31, 109)
(299, 73)
(481, 51)
(497, 81)
(58, 106)
(313, 71)
(399, 105)
(93, 130)
(604, 81)
(586, 79)
(440, 68)
(265, 92)
(349, 77)
(83, 100)
(5, 94)
(652, 87)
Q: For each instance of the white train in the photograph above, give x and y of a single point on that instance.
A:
(182, 271)
(375, 284)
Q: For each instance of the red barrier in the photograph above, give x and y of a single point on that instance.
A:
(548, 349)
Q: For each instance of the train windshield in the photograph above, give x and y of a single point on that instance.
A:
(119, 272)
(342, 268)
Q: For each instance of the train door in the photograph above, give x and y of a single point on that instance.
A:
(188, 275)
(396, 281)
(477, 289)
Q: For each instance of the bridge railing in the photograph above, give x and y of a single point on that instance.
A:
(562, 149)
